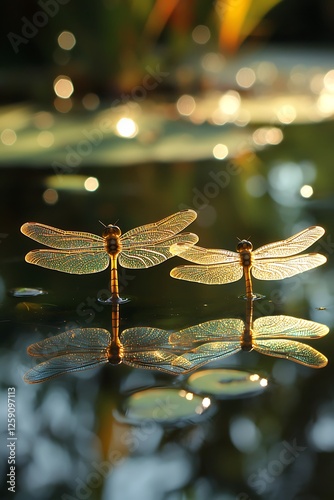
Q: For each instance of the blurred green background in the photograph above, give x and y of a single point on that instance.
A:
(128, 111)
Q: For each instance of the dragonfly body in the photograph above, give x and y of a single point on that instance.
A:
(83, 253)
(244, 248)
(274, 261)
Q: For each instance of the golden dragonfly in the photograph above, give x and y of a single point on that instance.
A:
(274, 261)
(268, 335)
(84, 348)
(84, 253)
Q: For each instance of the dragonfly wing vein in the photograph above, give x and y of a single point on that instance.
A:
(78, 340)
(62, 364)
(294, 351)
(205, 353)
(295, 244)
(161, 230)
(288, 327)
(152, 255)
(277, 269)
(214, 330)
(206, 256)
(58, 238)
(210, 275)
(71, 261)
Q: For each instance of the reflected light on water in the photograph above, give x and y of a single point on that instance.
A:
(201, 34)
(91, 101)
(63, 86)
(8, 137)
(43, 120)
(244, 434)
(62, 105)
(66, 40)
(329, 81)
(306, 191)
(256, 186)
(213, 62)
(91, 184)
(322, 432)
(267, 72)
(220, 151)
(50, 196)
(267, 135)
(45, 139)
(286, 114)
(229, 103)
(186, 105)
(127, 128)
(245, 77)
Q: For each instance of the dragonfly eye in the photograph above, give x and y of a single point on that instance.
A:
(111, 230)
(244, 245)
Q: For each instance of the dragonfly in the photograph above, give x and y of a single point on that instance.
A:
(270, 335)
(83, 253)
(85, 348)
(273, 261)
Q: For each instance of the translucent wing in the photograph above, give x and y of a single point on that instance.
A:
(72, 261)
(295, 244)
(277, 269)
(214, 330)
(143, 337)
(205, 353)
(78, 340)
(158, 231)
(295, 351)
(58, 238)
(200, 255)
(146, 347)
(210, 275)
(164, 360)
(288, 327)
(63, 364)
(140, 256)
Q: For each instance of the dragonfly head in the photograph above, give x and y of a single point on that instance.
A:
(244, 245)
(111, 230)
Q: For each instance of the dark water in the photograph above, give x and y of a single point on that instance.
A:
(74, 440)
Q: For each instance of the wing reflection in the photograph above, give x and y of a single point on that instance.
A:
(85, 348)
(269, 335)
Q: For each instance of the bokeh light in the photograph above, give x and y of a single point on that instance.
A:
(220, 151)
(201, 34)
(91, 184)
(186, 105)
(245, 77)
(63, 87)
(126, 127)
(66, 40)
(8, 137)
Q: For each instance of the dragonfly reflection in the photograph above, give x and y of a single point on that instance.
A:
(269, 335)
(274, 261)
(85, 348)
(84, 253)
